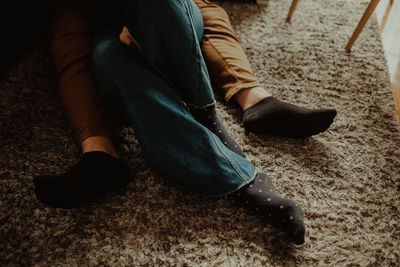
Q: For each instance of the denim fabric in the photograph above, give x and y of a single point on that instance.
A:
(170, 33)
(150, 87)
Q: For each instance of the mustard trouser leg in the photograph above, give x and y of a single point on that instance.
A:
(229, 69)
(71, 45)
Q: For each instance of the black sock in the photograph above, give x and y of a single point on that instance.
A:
(96, 174)
(208, 118)
(272, 116)
(260, 196)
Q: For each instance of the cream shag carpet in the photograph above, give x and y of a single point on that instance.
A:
(346, 179)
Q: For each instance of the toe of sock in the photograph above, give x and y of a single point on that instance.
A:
(46, 190)
(297, 233)
(44, 186)
(332, 113)
(326, 116)
(310, 123)
(321, 121)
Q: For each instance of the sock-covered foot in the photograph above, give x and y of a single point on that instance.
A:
(96, 174)
(272, 116)
(261, 197)
(208, 117)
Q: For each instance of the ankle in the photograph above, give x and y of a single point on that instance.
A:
(249, 97)
(99, 143)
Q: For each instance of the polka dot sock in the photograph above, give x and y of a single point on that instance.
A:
(96, 174)
(260, 196)
(272, 116)
(208, 117)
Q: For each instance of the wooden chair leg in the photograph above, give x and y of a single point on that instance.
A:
(291, 10)
(386, 15)
(367, 14)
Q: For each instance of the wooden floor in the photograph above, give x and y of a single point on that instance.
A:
(388, 14)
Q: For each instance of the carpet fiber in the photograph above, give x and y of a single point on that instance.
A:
(346, 179)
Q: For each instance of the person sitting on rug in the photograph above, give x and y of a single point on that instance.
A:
(166, 100)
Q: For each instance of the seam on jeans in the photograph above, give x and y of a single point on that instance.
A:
(198, 62)
(183, 105)
(237, 188)
(227, 157)
(201, 107)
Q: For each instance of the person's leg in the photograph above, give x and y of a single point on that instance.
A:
(171, 140)
(99, 171)
(186, 25)
(170, 42)
(176, 145)
(230, 72)
(71, 44)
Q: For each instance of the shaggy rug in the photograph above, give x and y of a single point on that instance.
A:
(346, 179)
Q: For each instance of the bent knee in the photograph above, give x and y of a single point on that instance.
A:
(102, 51)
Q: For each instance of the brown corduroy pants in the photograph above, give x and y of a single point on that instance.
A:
(71, 46)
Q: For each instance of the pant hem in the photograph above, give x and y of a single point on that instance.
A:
(201, 107)
(231, 92)
(239, 187)
(87, 132)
